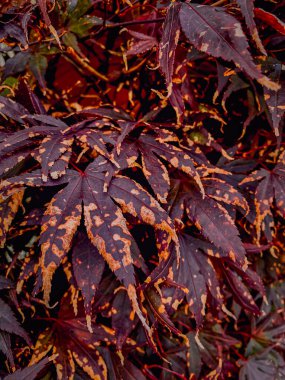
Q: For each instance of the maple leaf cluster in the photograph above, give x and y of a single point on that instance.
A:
(142, 193)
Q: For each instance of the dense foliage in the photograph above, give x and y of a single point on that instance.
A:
(142, 208)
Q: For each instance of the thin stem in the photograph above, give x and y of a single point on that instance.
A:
(76, 168)
(77, 60)
(135, 22)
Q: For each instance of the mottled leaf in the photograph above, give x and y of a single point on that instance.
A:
(217, 33)
(29, 373)
(11, 109)
(247, 8)
(88, 266)
(142, 43)
(123, 319)
(8, 209)
(275, 100)
(73, 342)
(168, 43)
(216, 225)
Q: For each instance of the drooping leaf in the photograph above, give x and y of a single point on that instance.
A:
(104, 221)
(88, 266)
(269, 187)
(123, 321)
(240, 291)
(217, 33)
(168, 43)
(74, 343)
(247, 9)
(275, 100)
(212, 219)
(5, 347)
(196, 274)
(8, 210)
(143, 43)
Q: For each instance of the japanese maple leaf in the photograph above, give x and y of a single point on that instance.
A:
(270, 186)
(197, 274)
(8, 210)
(104, 220)
(53, 137)
(201, 271)
(168, 43)
(275, 100)
(266, 365)
(74, 343)
(88, 266)
(247, 9)
(142, 44)
(123, 321)
(208, 215)
(157, 151)
(31, 372)
(213, 31)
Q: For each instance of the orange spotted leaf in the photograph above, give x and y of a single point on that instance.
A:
(88, 266)
(247, 9)
(168, 43)
(219, 34)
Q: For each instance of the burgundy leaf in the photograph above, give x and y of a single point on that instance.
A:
(275, 100)
(31, 372)
(247, 8)
(9, 323)
(168, 43)
(88, 266)
(217, 33)
(144, 43)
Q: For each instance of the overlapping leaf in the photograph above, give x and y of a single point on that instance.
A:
(92, 176)
(247, 9)
(168, 43)
(8, 210)
(104, 221)
(217, 33)
(29, 373)
(9, 323)
(88, 267)
(275, 100)
(53, 137)
(210, 217)
(72, 341)
(269, 187)
(155, 151)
